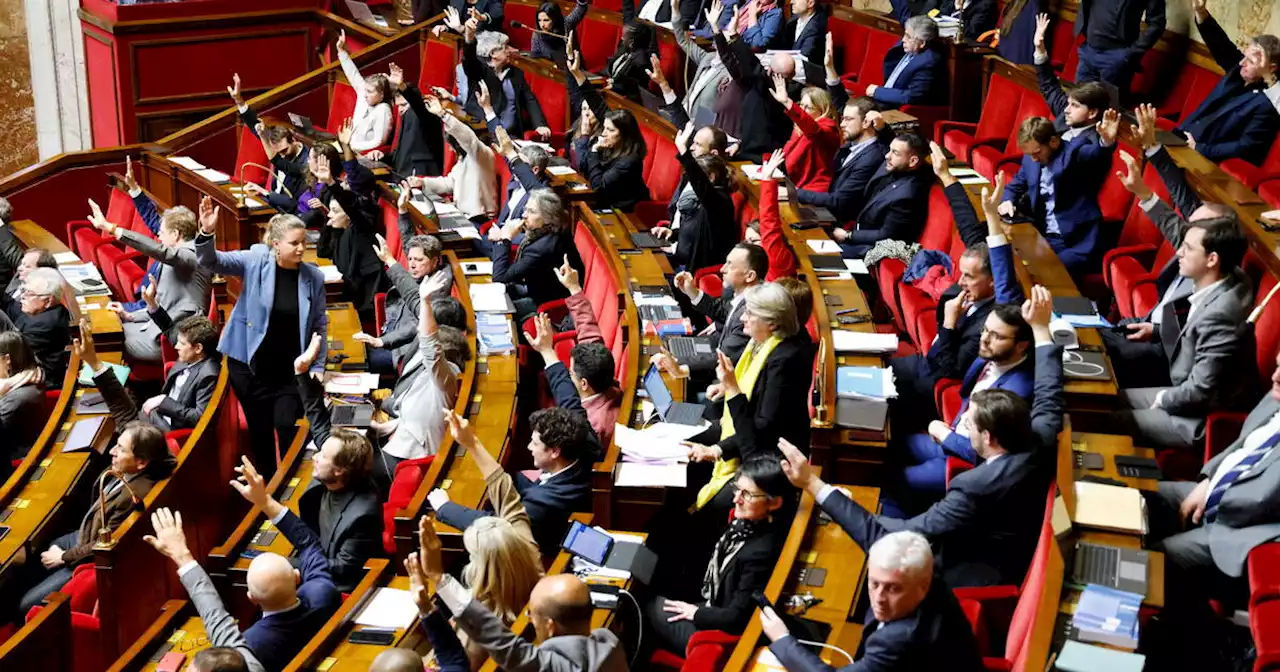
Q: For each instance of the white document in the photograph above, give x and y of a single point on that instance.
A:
(350, 383)
(856, 266)
(477, 267)
(640, 445)
(521, 144)
(638, 475)
(187, 162)
(66, 258)
(468, 232)
(214, 176)
(254, 203)
(490, 298)
(862, 341)
(752, 171)
(389, 608)
(425, 207)
(447, 209)
(974, 179)
(561, 170)
(331, 273)
(824, 246)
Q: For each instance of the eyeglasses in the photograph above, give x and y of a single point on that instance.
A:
(996, 334)
(750, 496)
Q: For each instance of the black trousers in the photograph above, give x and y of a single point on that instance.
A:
(1137, 363)
(270, 409)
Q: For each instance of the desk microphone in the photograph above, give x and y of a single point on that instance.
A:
(517, 24)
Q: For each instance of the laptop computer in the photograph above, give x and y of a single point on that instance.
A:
(351, 415)
(686, 348)
(361, 12)
(1120, 568)
(669, 410)
(820, 215)
(647, 241)
(304, 126)
(85, 434)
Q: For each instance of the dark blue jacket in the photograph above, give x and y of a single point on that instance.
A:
(524, 177)
(493, 8)
(533, 269)
(922, 82)
(896, 208)
(1080, 167)
(547, 503)
(277, 638)
(1235, 119)
(1018, 381)
(848, 190)
(811, 42)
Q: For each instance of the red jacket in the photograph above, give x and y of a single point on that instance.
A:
(782, 261)
(811, 151)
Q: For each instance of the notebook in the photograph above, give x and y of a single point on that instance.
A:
(83, 434)
(1109, 507)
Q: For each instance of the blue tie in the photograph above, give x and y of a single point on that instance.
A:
(1215, 497)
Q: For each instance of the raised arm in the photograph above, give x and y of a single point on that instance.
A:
(782, 260)
(207, 254)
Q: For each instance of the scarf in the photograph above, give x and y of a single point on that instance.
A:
(32, 376)
(727, 547)
(747, 370)
(745, 22)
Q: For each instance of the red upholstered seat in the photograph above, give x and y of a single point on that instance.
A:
(1114, 200)
(850, 40)
(553, 98)
(1250, 174)
(526, 14)
(110, 258)
(439, 59)
(871, 69)
(1189, 88)
(249, 150)
(917, 308)
(709, 281)
(404, 483)
(131, 274)
(86, 638)
(994, 123)
(342, 104)
(1264, 573)
(597, 39)
(1063, 44)
(940, 223)
(176, 439)
(84, 239)
(707, 651)
(889, 273)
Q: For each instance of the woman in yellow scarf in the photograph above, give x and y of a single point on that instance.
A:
(765, 395)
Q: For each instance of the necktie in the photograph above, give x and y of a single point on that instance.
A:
(1215, 497)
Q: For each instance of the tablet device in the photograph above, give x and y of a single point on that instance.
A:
(588, 543)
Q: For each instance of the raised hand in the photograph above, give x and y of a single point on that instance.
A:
(97, 219)
(169, 538)
(941, 165)
(1038, 309)
(433, 105)
(209, 216)
(1131, 178)
(568, 276)
(382, 250)
(777, 159)
(1109, 127)
(1042, 29)
(726, 374)
(991, 199)
(129, 182)
(303, 362)
(779, 90)
(505, 147)
(684, 283)
(682, 138)
(149, 293)
(544, 335)
(432, 563)
(83, 346)
(829, 57)
(324, 172)
(395, 75)
(344, 134)
(251, 485)
(796, 466)
(452, 20)
(402, 201)
(713, 15)
(234, 89)
(1146, 114)
(341, 44)
(460, 428)
(418, 582)
(655, 73)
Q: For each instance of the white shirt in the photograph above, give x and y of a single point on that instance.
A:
(801, 22)
(1199, 295)
(992, 372)
(1235, 457)
(179, 382)
(649, 12)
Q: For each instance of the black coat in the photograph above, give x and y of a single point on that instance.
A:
(708, 230)
(532, 272)
(747, 574)
(528, 112)
(351, 249)
(618, 181)
(779, 404)
(420, 139)
(765, 124)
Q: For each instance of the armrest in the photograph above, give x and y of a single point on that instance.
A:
(940, 389)
(1220, 429)
(943, 126)
(1144, 254)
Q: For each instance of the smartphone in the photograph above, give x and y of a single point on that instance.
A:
(378, 636)
(250, 553)
(764, 602)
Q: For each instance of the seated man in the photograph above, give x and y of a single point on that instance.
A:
(419, 130)
(487, 58)
(586, 385)
(31, 259)
(288, 155)
(559, 608)
(189, 386)
(986, 278)
(745, 266)
(765, 125)
(896, 203)
(1234, 120)
(987, 525)
(139, 459)
(40, 315)
(563, 449)
(341, 503)
(709, 89)
(914, 74)
(219, 626)
(295, 603)
(805, 31)
(1076, 113)
(1207, 529)
(1060, 182)
(1176, 363)
(915, 621)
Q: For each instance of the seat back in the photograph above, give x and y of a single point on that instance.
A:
(871, 70)
(552, 96)
(1186, 90)
(587, 249)
(939, 225)
(850, 42)
(83, 589)
(1113, 199)
(404, 483)
(528, 15)
(662, 169)
(342, 104)
(249, 150)
(1266, 331)
(1021, 627)
(439, 59)
(708, 651)
(391, 229)
(709, 281)
(597, 40)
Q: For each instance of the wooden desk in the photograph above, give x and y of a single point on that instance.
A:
(1109, 446)
(44, 642)
(1214, 185)
(344, 322)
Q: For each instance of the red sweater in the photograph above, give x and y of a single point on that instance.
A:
(782, 261)
(811, 150)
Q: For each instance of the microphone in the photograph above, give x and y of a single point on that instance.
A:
(517, 24)
(104, 534)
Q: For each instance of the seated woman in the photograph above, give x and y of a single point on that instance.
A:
(21, 398)
(740, 564)
(530, 274)
(704, 223)
(349, 240)
(372, 117)
(628, 67)
(765, 396)
(816, 137)
(551, 19)
(582, 133)
(614, 163)
(472, 182)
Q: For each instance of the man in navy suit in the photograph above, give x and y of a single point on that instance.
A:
(987, 525)
(897, 199)
(1075, 114)
(295, 602)
(1060, 181)
(914, 74)
(804, 31)
(563, 448)
(1236, 118)
(914, 623)
(528, 167)
(866, 141)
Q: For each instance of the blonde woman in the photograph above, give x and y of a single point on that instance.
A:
(281, 306)
(372, 118)
(816, 137)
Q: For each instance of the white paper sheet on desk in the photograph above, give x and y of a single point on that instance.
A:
(581, 566)
(637, 475)
(214, 176)
(521, 144)
(561, 170)
(66, 258)
(752, 171)
(823, 246)
(856, 266)
(425, 207)
(389, 608)
(973, 179)
(350, 383)
(187, 162)
(331, 273)
(490, 298)
(469, 232)
(254, 203)
(965, 172)
(861, 341)
(639, 445)
(446, 209)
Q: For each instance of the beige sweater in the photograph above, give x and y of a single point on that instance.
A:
(473, 182)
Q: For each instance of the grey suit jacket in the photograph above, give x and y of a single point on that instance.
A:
(1206, 346)
(702, 91)
(183, 288)
(1245, 519)
(600, 652)
(219, 625)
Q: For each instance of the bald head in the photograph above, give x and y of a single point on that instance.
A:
(783, 64)
(560, 605)
(1210, 211)
(396, 660)
(273, 582)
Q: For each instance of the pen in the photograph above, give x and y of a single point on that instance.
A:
(846, 311)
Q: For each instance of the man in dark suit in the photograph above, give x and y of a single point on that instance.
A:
(1060, 182)
(139, 459)
(39, 314)
(418, 136)
(914, 623)
(896, 202)
(765, 124)
(295, 603)
(1075, 114)
(487, 58)
(1178, 360)
(804, 32)
(914, 74)
(987, 524)
(188, 388)
(528, 166)
(1236, 119)
(745, 266)
(27, 260)
(563, 448)
(10, 250)
(289, 156)
(1113, 46)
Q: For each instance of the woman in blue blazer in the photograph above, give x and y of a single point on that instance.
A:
(281, 304)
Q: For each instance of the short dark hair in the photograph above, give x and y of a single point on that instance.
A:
(1011, 314)
(719, 139)
(449, 313)
(198, 330)
(801, 295)
(1005, 415)
(149, 445)
(766, 473)
(1036, 128)
(979, 250)
(1270, 44)
(1093, 95)
(862, 104)
(220, 659)
(915, 142)
(757, 259)
(454, 345)
(44, 258)
(276, 133)
(562, 429)
(355, 457)
(15, 347)
(593, 363)
(716, 169)
(1223, 236)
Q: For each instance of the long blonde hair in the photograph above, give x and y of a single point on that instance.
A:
(503, 567)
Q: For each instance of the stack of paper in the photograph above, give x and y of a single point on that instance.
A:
(493, 333)
(1107, 616)
(864, 342)
(214, 176)
(754, 171)
(331, 273)
(561, 171)
(968, 176)
(85, 279)
(824, 246)
(187, 162)
(67, 257)
(389, 608)
(862, 394)
(490, 297)
(350, 383)
(521, 144)
(657, 444)
(1110, 507)
(1080, 657)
